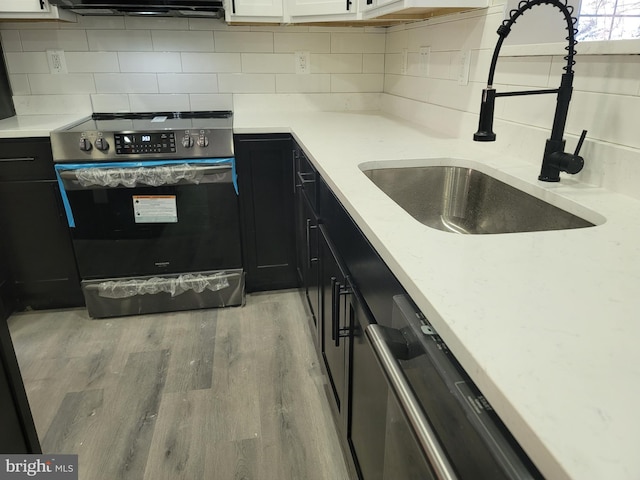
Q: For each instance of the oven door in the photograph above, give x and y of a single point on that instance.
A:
(150, 218)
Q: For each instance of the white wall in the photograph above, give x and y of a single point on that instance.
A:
(140, 64)
(606, 97)
(118, 63)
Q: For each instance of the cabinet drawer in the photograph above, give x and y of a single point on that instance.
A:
(26, 159)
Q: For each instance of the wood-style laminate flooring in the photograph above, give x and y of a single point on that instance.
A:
(222, 394)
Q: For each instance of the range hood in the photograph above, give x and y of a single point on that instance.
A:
(161, 8)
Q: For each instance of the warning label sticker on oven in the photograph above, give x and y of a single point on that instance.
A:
(155, 209)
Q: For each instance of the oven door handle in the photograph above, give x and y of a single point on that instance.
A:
(420, 425)
(115, 177)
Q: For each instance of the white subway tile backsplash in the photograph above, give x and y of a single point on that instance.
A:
(243, 42)
(126, 83)
(536, 110)
(20, 84)
(337, 63)
(182, 41)
(294, 102)
(27, 62)
(150, 62)
(246, 83)
(156, 23)
(73, 83)
(211, 101)
(393, 63)
(52, 104)
(10, 41)
(406, 86)
(211, 62)
(447, 93)
(440, 65)
(291, 83)
(302, 42)
(187, 83)
(606, 117)
(215, 24)
(351, 82)
(110, 102)
(604, 73)
(130, 63)
(396, 41)
(268, 63)
(523, 71)
(159, 103)
(41, 40)
(102, 22)
(92, 62)
(357, 43)
(119, 40)
(373, 63)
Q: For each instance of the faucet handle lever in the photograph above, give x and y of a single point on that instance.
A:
(580, 142)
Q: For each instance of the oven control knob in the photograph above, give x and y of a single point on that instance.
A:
(102, 144)
(187, 141)
(85, 144)
(203, 141)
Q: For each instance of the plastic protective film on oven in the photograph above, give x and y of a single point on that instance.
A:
(148, 173)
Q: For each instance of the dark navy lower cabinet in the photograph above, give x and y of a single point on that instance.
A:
(265, 183)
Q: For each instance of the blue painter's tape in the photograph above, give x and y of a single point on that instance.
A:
(152, 163)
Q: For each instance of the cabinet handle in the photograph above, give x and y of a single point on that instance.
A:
(310, 259)
(348, 5)
(294, 157)
(42, 5)
(337, 290)
(18, 159)
(433, 450)
(303, 180)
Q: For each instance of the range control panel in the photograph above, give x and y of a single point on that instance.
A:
(92, 146)
(150, 142)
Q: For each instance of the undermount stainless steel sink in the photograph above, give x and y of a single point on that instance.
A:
(464, 200)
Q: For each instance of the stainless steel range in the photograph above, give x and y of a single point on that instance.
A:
(151, 201)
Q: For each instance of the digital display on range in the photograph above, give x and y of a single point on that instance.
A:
(148, 142)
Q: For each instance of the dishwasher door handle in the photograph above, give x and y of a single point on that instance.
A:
(420, 425)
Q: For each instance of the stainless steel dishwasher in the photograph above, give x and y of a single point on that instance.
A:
(419, 416)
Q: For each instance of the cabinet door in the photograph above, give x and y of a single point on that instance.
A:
(17, 430)
(23, 6)
(308, 256)
(335, 324)
(256, 8)
(33, 9)
(321, 7)
(37, 246)
(265, 182)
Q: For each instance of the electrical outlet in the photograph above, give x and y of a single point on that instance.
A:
(303, 62)
(404, 66)
(57, 61)
(424, 54)
(464, 63)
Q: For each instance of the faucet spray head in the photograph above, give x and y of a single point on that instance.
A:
(485, 124)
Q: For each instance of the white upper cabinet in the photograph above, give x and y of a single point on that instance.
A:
(33, 10)
(414, 8)
(270, 11)
(323, 10)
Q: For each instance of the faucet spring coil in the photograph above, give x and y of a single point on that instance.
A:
(566, 9)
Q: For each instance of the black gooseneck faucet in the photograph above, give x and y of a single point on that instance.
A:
(555, 159)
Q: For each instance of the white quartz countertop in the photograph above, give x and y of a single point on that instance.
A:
(22, 126)
(546, 323)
